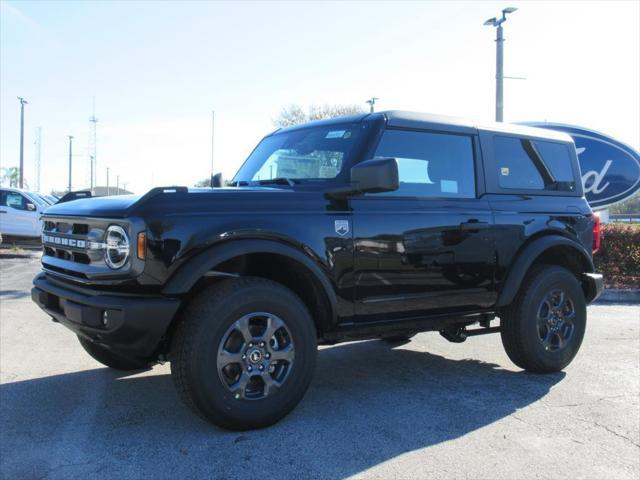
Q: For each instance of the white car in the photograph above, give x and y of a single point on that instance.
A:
(20, 212)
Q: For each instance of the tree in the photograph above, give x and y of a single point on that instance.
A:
(203, 183)
(296, 114)
(12, 176)
(631, 205)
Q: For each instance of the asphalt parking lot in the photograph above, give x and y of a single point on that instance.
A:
(426, 409)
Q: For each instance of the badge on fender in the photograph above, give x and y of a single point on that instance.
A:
(342, 227)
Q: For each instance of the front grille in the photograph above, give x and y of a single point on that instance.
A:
(74, 248)
(77, 257)
(69, 240)
(66, 227)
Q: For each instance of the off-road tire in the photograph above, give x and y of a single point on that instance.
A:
(112, 359)
(519, 325)
(194, 349)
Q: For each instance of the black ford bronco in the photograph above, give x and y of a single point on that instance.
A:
(374, 226)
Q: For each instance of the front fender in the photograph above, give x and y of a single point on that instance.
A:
(186, 277)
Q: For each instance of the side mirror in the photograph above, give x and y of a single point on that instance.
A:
(376, 175)
(31, 207)
(217, 181)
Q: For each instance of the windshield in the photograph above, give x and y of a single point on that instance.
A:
(45, 199)
(37, 199)
(316, 153)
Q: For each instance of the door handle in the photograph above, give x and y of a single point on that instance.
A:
(474, 225)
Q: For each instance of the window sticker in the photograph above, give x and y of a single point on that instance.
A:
(504, 171)
(448, 186)
(413, 170)
(336, 134)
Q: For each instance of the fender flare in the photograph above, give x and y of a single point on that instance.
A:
(528, 255)
(195, 268)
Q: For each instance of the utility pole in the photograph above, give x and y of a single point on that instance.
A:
(93, 147)
(495, 22)
(38, 145)
(70, 156)
(91, 173)
(372, 102)
(108, 190)
(213, 124)
(23, 102)
(117, 184)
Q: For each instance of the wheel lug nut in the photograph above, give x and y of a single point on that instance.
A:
(261, 367)
(250, 344)
(249, 368)
(244, 357)
(261, 344)
(267, 355)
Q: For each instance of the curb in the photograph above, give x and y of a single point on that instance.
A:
(620, 295)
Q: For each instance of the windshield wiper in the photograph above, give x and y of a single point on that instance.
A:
(238, 183)
(277, 181)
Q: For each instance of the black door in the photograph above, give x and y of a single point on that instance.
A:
(426, 248)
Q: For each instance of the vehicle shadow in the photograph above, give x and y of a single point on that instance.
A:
(14, 294)
(368, 404)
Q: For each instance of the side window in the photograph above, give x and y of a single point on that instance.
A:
(430, 164)
(516, 165)
(525, 164)
(14, 200)
(556, 156)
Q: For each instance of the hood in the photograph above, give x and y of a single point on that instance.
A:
(114, 206)
(167, 199)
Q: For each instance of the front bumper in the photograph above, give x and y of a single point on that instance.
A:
(593, 284)
(134, 324)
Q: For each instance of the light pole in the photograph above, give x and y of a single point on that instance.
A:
(70, 155)
(497, 22)
(108, 190)
(372, 102)
(23, 102)
(213, 126)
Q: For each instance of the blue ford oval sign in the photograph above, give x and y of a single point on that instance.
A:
(610, 169)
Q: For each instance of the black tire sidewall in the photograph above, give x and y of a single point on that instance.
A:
(548, 279)
(209, 393)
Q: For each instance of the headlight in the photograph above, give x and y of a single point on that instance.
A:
(116, 250)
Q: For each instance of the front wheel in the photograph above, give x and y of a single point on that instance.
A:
(244, 353)
(543, 328)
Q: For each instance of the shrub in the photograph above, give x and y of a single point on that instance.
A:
(619, 255)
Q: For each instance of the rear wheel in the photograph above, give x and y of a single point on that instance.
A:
(112, 359)
(244, 353)
(543, 328)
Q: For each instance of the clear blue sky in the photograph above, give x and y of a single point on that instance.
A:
(157, 69)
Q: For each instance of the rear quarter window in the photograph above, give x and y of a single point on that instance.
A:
(529, 164)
